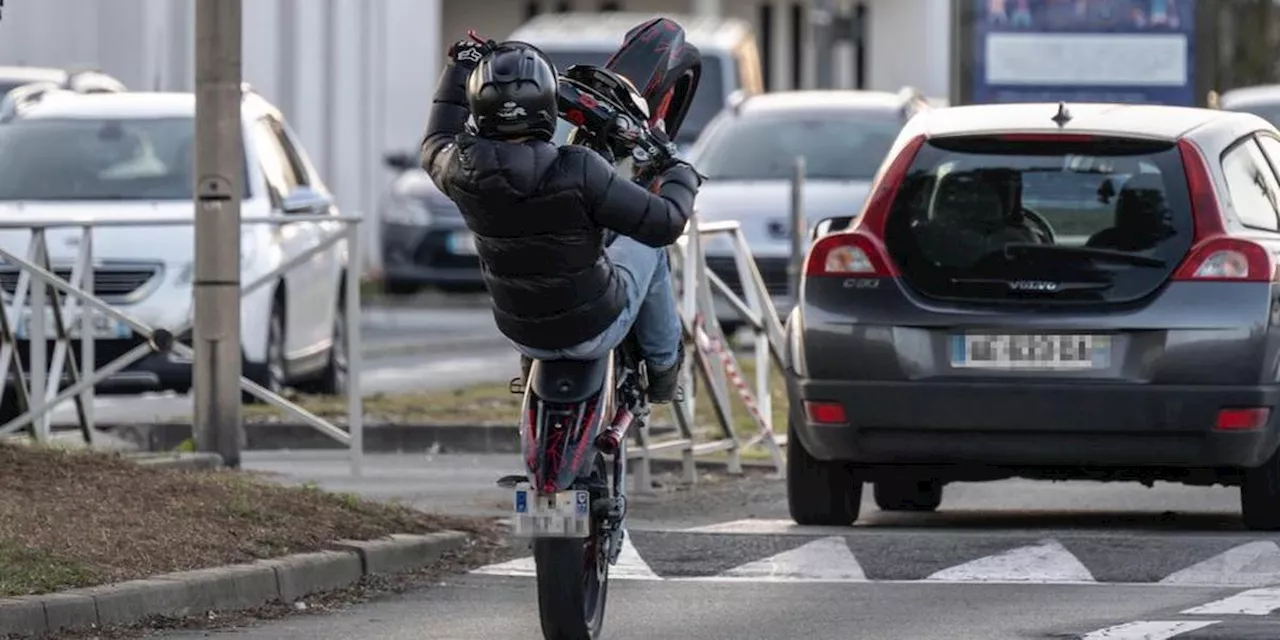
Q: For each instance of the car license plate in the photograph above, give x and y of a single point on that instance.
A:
(559, 515)
(1034, 352)
(462, 243)
(104, 327)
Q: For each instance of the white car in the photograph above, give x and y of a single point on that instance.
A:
(69, 156)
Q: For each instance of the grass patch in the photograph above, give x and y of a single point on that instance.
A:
(494, 404)
(73, 518)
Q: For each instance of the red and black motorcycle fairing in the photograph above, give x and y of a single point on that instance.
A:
(663, 66)
(564, 411)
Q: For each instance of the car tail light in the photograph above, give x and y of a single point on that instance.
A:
(1242, 419)
(1215, 256)
(825, 412)
(860, 251)
(854, 253)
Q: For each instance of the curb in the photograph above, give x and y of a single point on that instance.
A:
(232, 587)
(165, 437)
(189, 461)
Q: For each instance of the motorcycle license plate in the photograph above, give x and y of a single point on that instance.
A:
(559, 515)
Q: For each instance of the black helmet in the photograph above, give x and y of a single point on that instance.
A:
(513, 91)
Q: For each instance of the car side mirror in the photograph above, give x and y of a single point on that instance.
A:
(305, 201)
(400, 160)
(829, 225)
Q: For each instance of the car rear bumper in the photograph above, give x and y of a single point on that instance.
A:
(1095, 424)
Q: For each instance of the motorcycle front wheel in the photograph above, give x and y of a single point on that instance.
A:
(573, 583)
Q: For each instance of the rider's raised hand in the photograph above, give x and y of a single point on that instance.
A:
(466, 53)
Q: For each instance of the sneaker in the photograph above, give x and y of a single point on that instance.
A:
(663, 383)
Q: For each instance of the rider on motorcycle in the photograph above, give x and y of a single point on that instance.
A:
(539, 213)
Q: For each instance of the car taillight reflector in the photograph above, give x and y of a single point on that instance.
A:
(1229, 260)
(1215, 256)
(1242, 419)
(825, 412)
(849, 254)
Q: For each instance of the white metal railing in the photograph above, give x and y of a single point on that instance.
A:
(41, 390)
(714, 362)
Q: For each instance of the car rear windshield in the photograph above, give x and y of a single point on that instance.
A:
(840, 145)
(97, 159)
(1041, 221)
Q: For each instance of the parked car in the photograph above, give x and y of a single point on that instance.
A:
(424, 240)
(1260, 100)
(78, 80)
(69, 156)
(748, 154)
(1055, 292)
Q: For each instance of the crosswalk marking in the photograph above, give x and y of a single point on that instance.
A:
(1254, 602)
(764, 526)
(823, 560)
(1148, 630)
(630, 566)
(1249, 565)
(1048, 561)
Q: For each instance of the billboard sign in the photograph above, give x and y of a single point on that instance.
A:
(1132, 51)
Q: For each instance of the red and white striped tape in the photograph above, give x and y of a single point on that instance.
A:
(714, 345)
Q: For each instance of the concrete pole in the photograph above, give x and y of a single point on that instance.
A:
(219, 184)
(706, 8)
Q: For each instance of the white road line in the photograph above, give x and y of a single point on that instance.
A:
(1254, 602)
(827, 560)
(630, 566)
(1254, 564)
(1046, 562)
(1148, 630)
(763, 526)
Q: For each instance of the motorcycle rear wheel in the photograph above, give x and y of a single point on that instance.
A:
(573, 582)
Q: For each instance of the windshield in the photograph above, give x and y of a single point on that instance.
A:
(97, 159)
(1268, 112)
(1055, 222)
(836, 146)
(707, 102)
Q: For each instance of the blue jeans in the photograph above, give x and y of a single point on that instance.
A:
(650, 306)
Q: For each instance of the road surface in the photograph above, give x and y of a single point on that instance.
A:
(1001, 560)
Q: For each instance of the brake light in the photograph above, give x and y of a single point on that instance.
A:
(860, 250)
(1227, 259)
(825, 412)
(1242, 419)
(1216, 256)
(852, 253)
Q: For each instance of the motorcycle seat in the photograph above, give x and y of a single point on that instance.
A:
(568, 381)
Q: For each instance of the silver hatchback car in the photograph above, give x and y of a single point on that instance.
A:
(1046, 291)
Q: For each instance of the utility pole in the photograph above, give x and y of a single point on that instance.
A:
(219, 185)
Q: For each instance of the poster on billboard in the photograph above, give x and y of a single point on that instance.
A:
(1130, 51)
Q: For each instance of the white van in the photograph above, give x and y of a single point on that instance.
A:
(730, 59)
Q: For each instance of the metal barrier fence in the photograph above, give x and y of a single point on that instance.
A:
(714, 362)
(42, 390)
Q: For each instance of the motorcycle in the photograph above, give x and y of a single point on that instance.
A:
(576, 415)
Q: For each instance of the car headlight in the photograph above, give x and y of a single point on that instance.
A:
(406, 211)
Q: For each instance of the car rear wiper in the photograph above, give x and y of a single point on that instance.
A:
(1108, 255)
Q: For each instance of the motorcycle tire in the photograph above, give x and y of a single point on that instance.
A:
(573, 582)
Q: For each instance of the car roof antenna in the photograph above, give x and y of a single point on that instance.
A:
(1063, 116)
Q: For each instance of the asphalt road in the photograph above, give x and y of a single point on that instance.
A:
(1001, 560)
(406, 349)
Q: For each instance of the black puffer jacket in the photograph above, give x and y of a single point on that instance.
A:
(539, 213)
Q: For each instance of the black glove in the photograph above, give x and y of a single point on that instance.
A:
(467, 53)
